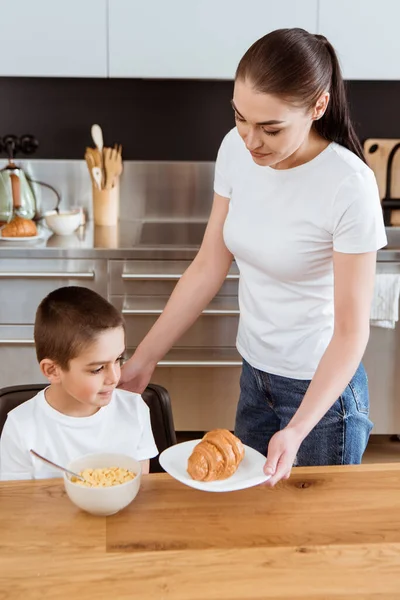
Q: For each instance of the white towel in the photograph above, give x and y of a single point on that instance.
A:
(385, 304)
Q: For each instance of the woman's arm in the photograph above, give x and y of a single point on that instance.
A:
(145, 466)
(198, 285)
(354, 276)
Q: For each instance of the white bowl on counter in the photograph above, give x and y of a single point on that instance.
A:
(64, 222)
(103, 501)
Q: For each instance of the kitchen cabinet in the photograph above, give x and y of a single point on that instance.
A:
(181, 39)
(45, 38)
(23, 284)
(202, 371)
(197, 40)
(365, 35)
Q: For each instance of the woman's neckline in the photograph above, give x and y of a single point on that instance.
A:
(304, 166)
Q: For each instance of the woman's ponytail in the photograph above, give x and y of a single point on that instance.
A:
(336, 124)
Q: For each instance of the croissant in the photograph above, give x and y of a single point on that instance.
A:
(216, 457)
(19, 227)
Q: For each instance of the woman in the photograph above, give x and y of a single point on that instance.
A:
(298, 209)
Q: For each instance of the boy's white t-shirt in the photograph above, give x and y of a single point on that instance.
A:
(123, 426)
(282, 228)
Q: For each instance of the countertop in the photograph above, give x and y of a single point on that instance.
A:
(174, 240)
(326, 533)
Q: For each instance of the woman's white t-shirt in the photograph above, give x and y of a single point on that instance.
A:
(282, 228)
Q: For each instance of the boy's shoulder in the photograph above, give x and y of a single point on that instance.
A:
(129, 401)
(26, 411)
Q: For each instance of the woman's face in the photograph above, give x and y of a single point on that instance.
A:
(271, 128)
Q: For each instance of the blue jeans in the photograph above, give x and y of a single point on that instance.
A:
(268, 402)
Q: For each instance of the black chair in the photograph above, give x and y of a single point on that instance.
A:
(155, 396)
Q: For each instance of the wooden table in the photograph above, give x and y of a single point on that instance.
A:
(327, 533)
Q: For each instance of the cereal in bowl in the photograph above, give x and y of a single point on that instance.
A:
(106, 477)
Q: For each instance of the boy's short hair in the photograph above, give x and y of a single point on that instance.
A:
(69, 319)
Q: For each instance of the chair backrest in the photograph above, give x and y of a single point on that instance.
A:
(155, 396)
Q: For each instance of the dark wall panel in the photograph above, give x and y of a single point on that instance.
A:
(155, 119)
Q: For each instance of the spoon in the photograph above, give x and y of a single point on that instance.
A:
(57, 466)
(96, 172)
(97, 137)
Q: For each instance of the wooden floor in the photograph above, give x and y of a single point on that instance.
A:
(381, 448)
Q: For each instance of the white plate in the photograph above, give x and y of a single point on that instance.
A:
(249, 473)
(20, 239)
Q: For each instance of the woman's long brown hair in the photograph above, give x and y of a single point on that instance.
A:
(298, 67)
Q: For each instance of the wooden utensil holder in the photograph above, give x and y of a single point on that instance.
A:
(106, 206)
(106, 237)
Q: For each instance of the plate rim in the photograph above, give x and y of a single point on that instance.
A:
(27, 238)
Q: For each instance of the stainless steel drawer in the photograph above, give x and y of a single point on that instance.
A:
(24, 283)
(202, 398)
(145, 277)
(381, 361)
(387, 267)
(216, 327)
(197, 357)
(203, 384)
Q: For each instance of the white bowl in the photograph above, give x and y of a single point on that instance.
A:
(63, 223)
(103, 501)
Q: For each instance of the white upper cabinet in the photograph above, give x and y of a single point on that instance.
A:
(190, 39)
(54, 38)
(365, 34)
(197, 39)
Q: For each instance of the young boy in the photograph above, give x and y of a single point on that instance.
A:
(80, 340)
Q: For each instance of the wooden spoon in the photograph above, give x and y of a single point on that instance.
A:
(90, 164)
(117, 154)
(97, 176)
(97, 137)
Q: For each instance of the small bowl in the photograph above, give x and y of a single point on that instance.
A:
(63, 223)
(103, 501)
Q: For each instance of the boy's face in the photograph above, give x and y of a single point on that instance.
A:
(93, 375)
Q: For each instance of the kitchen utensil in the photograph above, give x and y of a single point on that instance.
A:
(106, 206)
(105, 237)
(97, 176)
(118, 149)
(18, 186)
(95, 155)
(377, 151)
(90, 161)
(6, 204)
(50, 462)
(97, 137)
(111, 167)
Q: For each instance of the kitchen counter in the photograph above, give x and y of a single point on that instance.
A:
(327, 532)
(174, 240)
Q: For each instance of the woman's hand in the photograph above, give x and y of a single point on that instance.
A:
(282, 451)
(135, 375)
